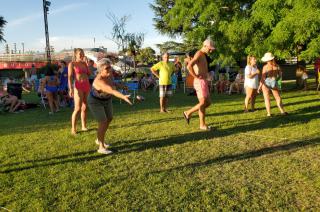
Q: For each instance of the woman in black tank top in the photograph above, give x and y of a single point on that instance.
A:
(100, 101)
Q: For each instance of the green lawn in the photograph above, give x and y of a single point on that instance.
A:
(248, 162)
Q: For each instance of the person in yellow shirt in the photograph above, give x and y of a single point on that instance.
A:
(163, 71)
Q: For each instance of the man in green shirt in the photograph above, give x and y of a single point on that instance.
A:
(163, 70)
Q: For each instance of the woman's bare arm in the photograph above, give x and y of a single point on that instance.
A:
(106, 88)
(70, 79)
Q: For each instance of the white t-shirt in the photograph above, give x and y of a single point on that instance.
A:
(248, 82)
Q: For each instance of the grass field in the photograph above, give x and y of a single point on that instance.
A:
(248, 162)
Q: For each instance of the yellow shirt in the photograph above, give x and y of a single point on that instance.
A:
(165, 72)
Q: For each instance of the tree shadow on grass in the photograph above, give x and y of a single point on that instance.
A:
(290, 147)
(148, 122)
(30, 164)
(234, 112)
(301, 102)
(284, 98)
(267, 123)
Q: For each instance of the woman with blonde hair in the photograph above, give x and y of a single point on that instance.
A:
(79, 88)
(251, 82)
(270, 73)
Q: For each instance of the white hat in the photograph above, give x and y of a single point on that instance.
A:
(267, 57)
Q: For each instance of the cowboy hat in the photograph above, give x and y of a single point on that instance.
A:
(267, 57)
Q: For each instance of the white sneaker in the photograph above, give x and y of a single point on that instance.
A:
(104, 151)
(106, 145)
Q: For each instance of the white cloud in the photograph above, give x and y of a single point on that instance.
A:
(67, 8)
(23, 20)
(28, 18)
(66, 42)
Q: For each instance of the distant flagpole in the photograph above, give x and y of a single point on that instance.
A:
(94, 42)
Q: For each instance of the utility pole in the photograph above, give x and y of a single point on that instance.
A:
(7, 48)
(15, 47)
(46, 5)
(22, 47)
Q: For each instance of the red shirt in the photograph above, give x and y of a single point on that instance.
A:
(317, 64)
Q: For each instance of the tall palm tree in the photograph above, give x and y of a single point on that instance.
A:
(2, 23)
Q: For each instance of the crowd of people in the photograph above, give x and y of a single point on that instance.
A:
(92, 87)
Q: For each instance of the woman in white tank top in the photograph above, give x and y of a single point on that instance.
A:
(251, 82)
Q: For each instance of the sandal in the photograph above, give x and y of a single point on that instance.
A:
(206, 128)
(186, 118)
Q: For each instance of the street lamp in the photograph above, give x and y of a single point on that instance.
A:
(46, 5)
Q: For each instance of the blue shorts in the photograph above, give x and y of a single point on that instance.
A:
(63, 87)
(51, 89)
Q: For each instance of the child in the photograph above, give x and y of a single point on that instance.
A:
(304, 78)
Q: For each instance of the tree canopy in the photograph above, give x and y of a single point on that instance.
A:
(287, 28)
(146, 55)
(2, 24)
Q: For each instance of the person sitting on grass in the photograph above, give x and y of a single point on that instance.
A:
(100, 101)
(237, 84)
(10, 102)
(222, 83)
(26, 86)
(302, 76)
(147, 81)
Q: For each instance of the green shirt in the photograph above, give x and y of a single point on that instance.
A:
(165, 72)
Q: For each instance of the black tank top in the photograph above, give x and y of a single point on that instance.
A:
(99, 95)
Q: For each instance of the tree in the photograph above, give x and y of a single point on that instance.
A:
(290, 28)
(146, 55)
(196, 20)
(118, 34)
(161, 8)
(2, 24)
(285, 27)
(126, 42)
(170, 46)
(134, 44)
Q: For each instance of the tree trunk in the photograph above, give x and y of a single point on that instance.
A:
(134, 62)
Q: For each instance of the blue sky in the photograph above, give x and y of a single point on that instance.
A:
(74, 23)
